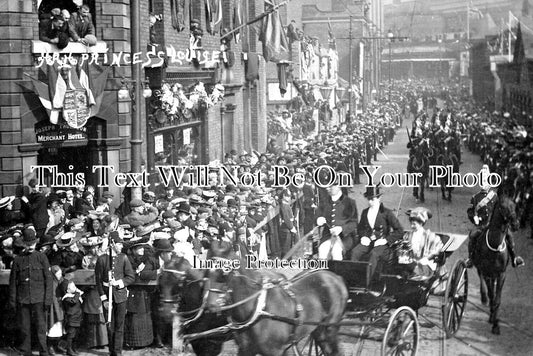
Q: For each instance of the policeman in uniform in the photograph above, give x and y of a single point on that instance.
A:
(480, 213)
(31, 291)
(122, 276)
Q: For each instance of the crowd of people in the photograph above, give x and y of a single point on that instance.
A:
(77, 228)
(62, 22)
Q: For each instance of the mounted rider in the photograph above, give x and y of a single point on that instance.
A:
(482, 214)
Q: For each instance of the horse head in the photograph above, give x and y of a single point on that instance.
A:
(180, 283)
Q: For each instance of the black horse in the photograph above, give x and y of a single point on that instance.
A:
(418, 163)
(447, 158)
(272, 314)
(180, 284)
(492, 256)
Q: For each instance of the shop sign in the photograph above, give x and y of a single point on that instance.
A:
(47, 132)
(76, 112)
(158, 143)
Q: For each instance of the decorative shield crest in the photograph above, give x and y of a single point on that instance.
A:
(76, 110)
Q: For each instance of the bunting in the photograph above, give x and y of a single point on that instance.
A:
(71, 91)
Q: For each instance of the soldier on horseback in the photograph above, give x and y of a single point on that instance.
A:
(487, 209)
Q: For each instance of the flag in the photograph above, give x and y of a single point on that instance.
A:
(52, 94)
(519, 52)
(273, 35)
(474, 12)
(213, 11)
(525, 8)
(331, 37)
(237, 20)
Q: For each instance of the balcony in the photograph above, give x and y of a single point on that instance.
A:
(40, 47)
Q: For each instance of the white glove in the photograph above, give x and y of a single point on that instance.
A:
(293, 230)
(380, 242)
(365, 241)
(424, 261)
(336, 230)
(476, 220)
(321, 221)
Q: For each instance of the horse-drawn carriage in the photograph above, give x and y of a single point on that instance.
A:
(269, 314)
(394, 304)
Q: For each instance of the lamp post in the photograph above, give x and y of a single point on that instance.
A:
(390, 36)
(135, 140)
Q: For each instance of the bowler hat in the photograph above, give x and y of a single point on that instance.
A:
(184, 208)
(163, 245)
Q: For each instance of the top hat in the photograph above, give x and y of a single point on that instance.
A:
(372, 192)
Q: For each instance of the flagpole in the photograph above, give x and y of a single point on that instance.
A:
(468, 23)
(258, 18)
(510, 38)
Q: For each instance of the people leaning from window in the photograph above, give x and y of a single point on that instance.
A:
(59, 26)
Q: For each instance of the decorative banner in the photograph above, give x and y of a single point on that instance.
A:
(187, 136)
(76, 112)
(158, 143)
(46, 132)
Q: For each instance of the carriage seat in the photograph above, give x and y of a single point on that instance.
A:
(355, 273)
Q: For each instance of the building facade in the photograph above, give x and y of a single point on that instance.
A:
(183, 49)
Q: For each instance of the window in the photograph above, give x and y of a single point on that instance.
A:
(46, 7)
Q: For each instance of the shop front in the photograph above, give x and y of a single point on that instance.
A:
(177, 119)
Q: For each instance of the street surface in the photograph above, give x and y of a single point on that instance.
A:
(474, 336)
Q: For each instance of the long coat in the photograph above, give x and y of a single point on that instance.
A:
(139, 298)
(30, 280)
(342, 213)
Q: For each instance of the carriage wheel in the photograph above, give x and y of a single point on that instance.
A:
(309, 347)
(455, 298)
(402, 334)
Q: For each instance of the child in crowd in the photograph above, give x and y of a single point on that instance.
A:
(73, 314)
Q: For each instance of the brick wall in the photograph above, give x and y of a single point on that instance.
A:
(21, 108)
(16, 25)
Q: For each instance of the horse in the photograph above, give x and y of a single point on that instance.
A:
(271, 314)
(418, 163)
(492, 256)
(447, 158)
(180, 284)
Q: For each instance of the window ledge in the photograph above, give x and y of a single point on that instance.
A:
(39, 47)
